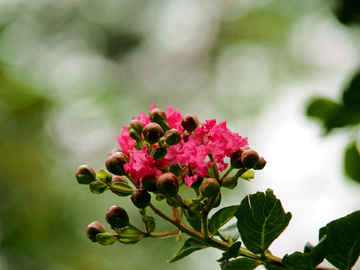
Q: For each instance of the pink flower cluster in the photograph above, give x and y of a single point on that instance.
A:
(210, 143)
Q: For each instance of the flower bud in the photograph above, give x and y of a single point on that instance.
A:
(168, 184)
(190, 122)
(152, 133)
(93, 229)
(261, 164)
(158, 153)
(172, 137)
(141, 198)
(209, 187)
(115, 163)
(85, 175)
(114, 151)
(156, 115)
(136, 125)
(121, 189)
(249, 158)
(117, 217)
(235, 159)
(148, 182)
(119, 179)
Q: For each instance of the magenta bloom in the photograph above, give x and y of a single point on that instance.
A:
(140, 164)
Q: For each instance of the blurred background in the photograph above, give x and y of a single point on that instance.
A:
(73, 72)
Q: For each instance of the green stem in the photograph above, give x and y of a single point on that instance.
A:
(132, 181)
(163, 234)
(216, 171)
(136, 228)
(227, 173)
(205, 228)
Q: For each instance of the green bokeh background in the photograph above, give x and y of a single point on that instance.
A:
(73, 72)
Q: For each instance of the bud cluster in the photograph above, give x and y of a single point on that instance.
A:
(160, 153)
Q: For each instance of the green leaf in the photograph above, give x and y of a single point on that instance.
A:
(306, 261)
(273, 267)
(98, 187)
(105, 239)
(129, 235)
(249, 174)
(351, 95)
(220, 218)
(149, 222)
(261, 219)
(121, 189)
(242, 263)
(352, 162)
(229, 234)
(321, 108)
(233, 252)
(343, 241)
(104, 176)
(191, 245)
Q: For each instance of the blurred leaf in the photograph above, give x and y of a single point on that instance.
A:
(261, 219)
(352, 162)
(242, 263)
(220, 218)
(351, 95)
(104, 176)
(343, 241)
(306, 261)
(249, 174)
(229, 234)
(347, 11)
(322, 108)
(191, 245)
(121, 189)
(98, 187)
(105, 239)
(129, 236)
(150, 223)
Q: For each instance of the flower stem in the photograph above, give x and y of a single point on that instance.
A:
(227, 173)
(205, 228)
(163, 234)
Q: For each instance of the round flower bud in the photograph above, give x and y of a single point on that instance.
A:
(172, 137)
(114, 151)
(141, 198)
(168, 184)
(261, 164)
(85, 175)
(115, 163)
(148, 182)
(249, 158)
(93, 229)
(156, 115)
(235, 159)
(190, 122)
(209, 187)
(152, 133)
(119, 179)
(117, 217)
(136, 125)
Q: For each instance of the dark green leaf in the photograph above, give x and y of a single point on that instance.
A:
(229, 234)
(195, 223)
(220, 218)
(233, 252)
(351, 95)
(261, 219)
(273, 267)
(191, 245)
(308, 247)
(352, 162)
(343, 241)
(242, 263)
(306, 261)
(98, 187)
